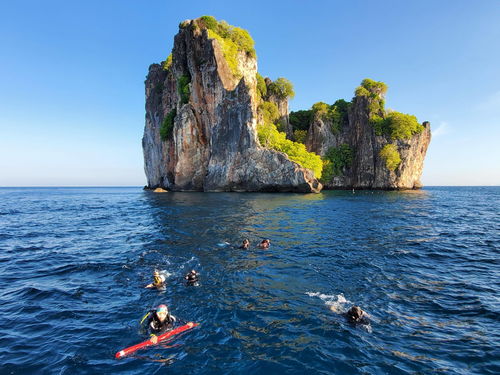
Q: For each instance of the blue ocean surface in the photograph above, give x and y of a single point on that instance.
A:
(423, 264)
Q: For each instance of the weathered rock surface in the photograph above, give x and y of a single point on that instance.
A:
(368, 169)
(214, 145)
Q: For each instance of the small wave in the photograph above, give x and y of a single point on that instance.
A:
(336, 302)
(10, 212)
(165, 273)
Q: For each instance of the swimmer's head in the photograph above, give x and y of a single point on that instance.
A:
(157, 277)
(264, 243)
(162, 312)
(355, 313)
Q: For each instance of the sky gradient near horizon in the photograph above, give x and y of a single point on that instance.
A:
(72, 77)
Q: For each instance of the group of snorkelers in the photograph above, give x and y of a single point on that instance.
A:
(264, 244)
(159, 279)
(159, 320)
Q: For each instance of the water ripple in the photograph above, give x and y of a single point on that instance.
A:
(423, 264)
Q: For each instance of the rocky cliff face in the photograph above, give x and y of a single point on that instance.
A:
(368, 170)
(212, 144)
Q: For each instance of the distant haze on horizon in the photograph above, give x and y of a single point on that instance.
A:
(72, 91)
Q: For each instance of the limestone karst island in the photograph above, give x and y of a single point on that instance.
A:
(213, 123)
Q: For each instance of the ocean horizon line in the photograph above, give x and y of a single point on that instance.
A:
(142, 186)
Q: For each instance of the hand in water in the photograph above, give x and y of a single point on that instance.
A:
(154, 339)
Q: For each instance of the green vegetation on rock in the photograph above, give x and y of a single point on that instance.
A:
(336, 113)
(320, 109)
(300, 135)
(167, 126)
(340, 157)
(183, 88)
(261, 85)
(300, 120)
(281, 88)
(270, 137)
(371, 88)
(374, 91)
(394, 124)
(327, 174)
(339, 115)
(269, 112)
(167, 63)
(231, 39)
(391, 156)
(398, 125)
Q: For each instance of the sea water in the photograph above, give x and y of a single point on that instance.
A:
(423, 264)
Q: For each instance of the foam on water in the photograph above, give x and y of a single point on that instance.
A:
(336, 302)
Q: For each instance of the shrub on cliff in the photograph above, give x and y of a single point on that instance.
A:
(320, 109)
(167, 63)
(269, 112)
(327, 174)
(336, 113)
(300, 120)
(183, 88)
(282, 88)
(300, 135)
(231, 39)
(340, 114)
(167, 126)
(397, 125)
(402, 126)
(391, 156)
(340, 157)
(270, 137)
(261, 85)
(374, 91)
(372, 88)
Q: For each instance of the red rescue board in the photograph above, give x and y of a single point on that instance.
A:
(162, 337)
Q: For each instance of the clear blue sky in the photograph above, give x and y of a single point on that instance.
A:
(72, 76)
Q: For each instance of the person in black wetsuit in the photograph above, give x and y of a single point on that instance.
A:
(159, 322)
(192, 278)
(357, 316)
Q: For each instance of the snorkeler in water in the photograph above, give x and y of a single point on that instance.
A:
(357, 316)
(192, 278)
(158, 281)
(245, 244)
(264, 244)
(159, 321)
